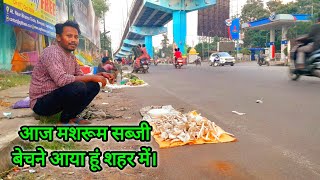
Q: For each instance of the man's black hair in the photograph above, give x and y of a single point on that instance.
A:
(143, 45)
(139, 45)
(105, 59)
(59, 27)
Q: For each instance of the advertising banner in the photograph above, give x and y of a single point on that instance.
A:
(34, 15)
(235, 29)
(62, 11)
(82, 12)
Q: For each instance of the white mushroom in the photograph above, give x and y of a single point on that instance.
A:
(184, 137)
(164, 135)
(172, 136)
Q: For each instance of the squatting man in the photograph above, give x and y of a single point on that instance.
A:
(58, 84)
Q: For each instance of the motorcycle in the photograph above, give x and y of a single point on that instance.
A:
(144, 66)
(216, 61)
(312, 63)
(197, 62)
(179, 63)
(263, 61)
(156, 62)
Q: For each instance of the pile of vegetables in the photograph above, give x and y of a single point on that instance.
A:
(133, 80)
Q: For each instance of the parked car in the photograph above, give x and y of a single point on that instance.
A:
(224, 58)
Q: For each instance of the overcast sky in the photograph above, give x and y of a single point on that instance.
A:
(117, 16)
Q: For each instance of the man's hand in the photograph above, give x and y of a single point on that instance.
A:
(92, 78)
(100, 79)
(110, 77)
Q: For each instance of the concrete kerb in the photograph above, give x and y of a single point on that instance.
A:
(6, 146)
(9, 127)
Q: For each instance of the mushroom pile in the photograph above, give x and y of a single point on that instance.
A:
(188, 127)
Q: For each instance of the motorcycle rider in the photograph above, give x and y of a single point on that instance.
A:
(314, 43)
(143, 55)
(177, 55)
(216, 58)
(261, 57)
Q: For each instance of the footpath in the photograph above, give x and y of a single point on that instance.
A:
(108, 108)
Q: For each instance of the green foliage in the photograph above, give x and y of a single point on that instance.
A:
(105, 42)
(210, 45)
(10, 79)
(198, 48)
(285, 51)
(245, 51)
(167, 49)
(100, 7)
(299, 29)
(253, 10)
(255, 38)
(54, 119)
(188, 50)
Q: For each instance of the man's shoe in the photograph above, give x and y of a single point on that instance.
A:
(79, 121)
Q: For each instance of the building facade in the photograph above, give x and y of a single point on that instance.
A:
(211, 21)
(28, 27)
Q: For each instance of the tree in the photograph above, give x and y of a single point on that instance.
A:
(188, 50)
(209, 46)
(255, 38)
(253, 10)
(100, 7)
(105, 42)
(275, 6)
(245, 51)
(167, 49)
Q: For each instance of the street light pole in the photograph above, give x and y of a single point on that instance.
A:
(239, 31)
(202, 46)
(111, 50)
(104, 30)
(208, 47)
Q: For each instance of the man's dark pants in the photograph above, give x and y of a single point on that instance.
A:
(71, 100)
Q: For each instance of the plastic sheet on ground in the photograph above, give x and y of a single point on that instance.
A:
(116, 86)
(220, 135)
(25, 103)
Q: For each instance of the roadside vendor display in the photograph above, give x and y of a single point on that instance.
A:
(132, 80)
(171, 128)
(129, 80)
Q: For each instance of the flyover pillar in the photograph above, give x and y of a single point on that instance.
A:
(180, 29)
(284, 42)
(147, 33)
(272, 43)
(148, 43)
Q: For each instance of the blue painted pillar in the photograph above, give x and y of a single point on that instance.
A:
(148, 43)
(180, 29)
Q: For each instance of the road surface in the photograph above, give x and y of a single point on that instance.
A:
(278, 139)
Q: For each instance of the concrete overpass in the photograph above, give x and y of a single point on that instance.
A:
(148, 17)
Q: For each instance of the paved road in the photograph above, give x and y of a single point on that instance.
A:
(278, 139)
